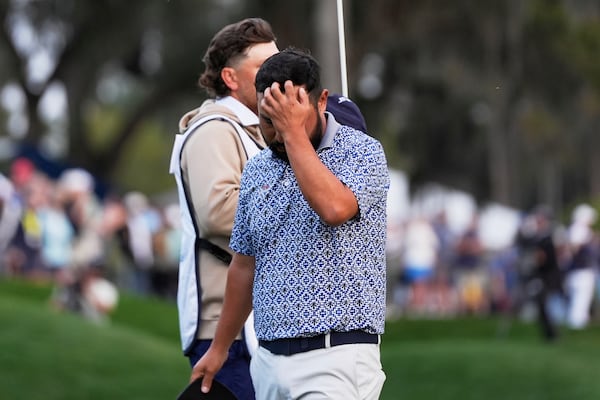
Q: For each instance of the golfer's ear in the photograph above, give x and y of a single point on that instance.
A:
(322, 102)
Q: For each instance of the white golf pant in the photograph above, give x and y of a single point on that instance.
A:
(580, 288)
(350, 371)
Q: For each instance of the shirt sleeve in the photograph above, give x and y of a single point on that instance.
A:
(365, 171)
(241, 238)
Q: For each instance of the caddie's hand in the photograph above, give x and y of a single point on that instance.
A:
(288, 109)
(207, 367)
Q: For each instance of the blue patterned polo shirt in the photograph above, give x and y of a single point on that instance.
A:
(310, 277)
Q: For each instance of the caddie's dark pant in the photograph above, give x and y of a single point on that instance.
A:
(235, 373)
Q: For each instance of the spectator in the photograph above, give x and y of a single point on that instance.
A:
(469, 271)
(24, 252)
(540, 272)
(138, 243)
(583, 266)
(167, 243)
(85, 212)
(421, 246)
(10, 215)
(57, 232)
(74, 286)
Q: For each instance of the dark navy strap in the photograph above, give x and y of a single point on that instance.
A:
(287, 347)
(215, 250)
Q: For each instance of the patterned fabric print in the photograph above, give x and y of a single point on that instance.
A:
(310, 277)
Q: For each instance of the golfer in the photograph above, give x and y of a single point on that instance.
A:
(309, 242)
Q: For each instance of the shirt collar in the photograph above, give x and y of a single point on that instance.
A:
(330, 130)
(245, 115)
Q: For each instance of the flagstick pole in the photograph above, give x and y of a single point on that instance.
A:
(342, 44)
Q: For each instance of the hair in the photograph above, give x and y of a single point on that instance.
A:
(294, 65)
(229, 45)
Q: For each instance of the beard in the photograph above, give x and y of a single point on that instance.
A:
(278, 148)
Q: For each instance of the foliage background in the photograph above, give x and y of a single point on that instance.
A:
(495, 97)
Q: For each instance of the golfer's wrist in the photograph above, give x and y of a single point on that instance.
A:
(220, 346)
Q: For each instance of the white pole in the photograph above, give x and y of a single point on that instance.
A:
(342, 43)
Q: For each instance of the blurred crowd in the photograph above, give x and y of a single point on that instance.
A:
(90, 248)
(547, 272)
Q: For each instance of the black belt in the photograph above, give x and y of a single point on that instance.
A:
(287, 347)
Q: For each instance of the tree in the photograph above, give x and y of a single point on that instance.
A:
(499, 98)
(120, 65)
(507, 63)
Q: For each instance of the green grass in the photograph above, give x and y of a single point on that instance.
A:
(475, 365)
(51, 355)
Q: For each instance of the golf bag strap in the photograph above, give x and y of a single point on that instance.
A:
(250, 147)
(215, 250)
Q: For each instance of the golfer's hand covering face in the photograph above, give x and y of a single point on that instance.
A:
(289, 109)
